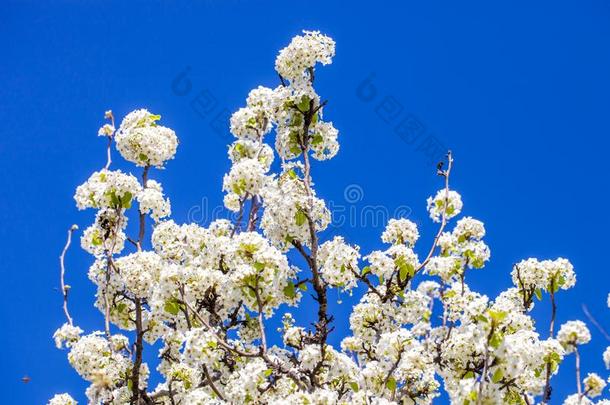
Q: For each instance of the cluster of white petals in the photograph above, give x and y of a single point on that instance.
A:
(62, 399)
(572, 334)
(67, 335)
(107, 189)
(141, 141)
(447, 203)
(303, 53)
(548, 275)
(152, 202)
(339, 263)
(399, 231)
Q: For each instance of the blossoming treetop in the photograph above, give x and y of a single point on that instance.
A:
(206, 293)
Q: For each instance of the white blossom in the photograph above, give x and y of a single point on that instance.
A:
(151, 201)
(447, 202)
(338, 263)
(303, 53)
(399, 231)
(107, 189)
(141, 141)
(67, 335)
(62, 399)
(573, 333)
(593, 385)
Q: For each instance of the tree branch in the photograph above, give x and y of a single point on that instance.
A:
(65, 288)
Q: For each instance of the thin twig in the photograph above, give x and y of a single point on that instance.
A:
(445, 174)
(577, 367)
(211, 383)
(110, 116)
(594, 322)
(64, 287)
(547, 385)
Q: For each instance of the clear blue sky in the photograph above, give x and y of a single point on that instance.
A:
(519, 90)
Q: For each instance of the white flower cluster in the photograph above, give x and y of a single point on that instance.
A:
(254, 121)
(399, 231)
(339, 263)
(324, 140)
(548, 275)
(151, 201)
(141, 141)
(593, 385)
(93, 358)
(107, 189)
(246, 177)
(67, 335)
(107, 234)
(62, 399)
(106, 130)
(460, 249)
(289, 209)
(139, 272)
(303, 53)
(445, 202)
(573, 333)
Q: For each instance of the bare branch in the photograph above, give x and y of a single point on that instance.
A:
(65, 288)
(594, 322)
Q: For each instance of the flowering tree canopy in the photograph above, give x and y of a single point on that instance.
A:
(204, 294)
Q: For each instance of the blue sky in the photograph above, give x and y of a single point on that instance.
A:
(519, 90)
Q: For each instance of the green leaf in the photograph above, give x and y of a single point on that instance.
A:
(317, 139)
(96, 240)
(292, 174)
(303, 286)
(404, 272)
(538, 293)
(366, 270)
(405, 269)
(259, 266)
(248, 248)
(143, 157)
(241, 149)
(126, 200)
(303, 105)
(497, 316)
(172, 306)
(295, 150)
(289, 290)
(300, 217)
(497, 377)
(449, 294)
(482, 318)
(114, 199)
(267, 372)
(496, 340)
(391, 384)
(469, 374)
(354, 386)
